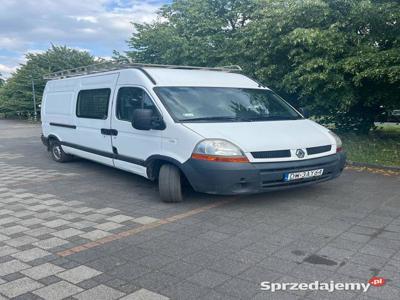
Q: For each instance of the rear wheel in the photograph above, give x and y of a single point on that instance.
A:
(57, 153)
(169, 183)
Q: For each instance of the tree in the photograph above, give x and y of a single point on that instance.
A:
(340, 58)
(2, 81)
(203, 32)
(16, 94)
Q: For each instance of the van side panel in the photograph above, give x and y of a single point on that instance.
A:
(60, 104)
(83, 137)
(88, 140)
(57, 107)
(79, 136)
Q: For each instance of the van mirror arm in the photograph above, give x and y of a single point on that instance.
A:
(158, 123)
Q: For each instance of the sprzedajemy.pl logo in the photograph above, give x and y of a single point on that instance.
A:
(330, 286)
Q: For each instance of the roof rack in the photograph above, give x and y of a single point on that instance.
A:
(112, 65)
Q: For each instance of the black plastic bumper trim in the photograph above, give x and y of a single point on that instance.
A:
(87, 149)
(132, 160)
(44, 140)
(63, 125)
(249, 178)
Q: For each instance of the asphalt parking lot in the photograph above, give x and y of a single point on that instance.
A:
(81, 230)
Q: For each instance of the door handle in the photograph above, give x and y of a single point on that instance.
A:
(114, 132)
(107, 131)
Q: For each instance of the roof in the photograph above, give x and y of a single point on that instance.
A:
(162, 75)
(113, 65)
(180, 77)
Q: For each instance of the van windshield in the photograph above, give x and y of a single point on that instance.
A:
(214, 104)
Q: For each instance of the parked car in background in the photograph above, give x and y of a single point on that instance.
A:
(394, 116)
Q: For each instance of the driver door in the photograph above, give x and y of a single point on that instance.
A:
(132, 147)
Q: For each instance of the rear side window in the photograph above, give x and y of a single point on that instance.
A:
(131, 98)
(93, 104)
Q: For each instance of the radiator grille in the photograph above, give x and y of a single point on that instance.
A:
(319, 149)
(271, 154)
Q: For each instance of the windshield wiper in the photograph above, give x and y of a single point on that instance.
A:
(242, 119)
(274, 118)
(214, 119)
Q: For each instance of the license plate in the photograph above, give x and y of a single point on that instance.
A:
(303, 175)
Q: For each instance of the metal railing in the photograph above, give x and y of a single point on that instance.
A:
(127, 64)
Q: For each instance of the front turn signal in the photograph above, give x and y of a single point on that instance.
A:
(218, 158)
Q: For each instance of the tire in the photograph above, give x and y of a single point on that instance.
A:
(57, 153)
(169, 184)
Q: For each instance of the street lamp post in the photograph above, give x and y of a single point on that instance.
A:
(34, 100)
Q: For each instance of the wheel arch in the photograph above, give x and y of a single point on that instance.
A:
(51, 137)
(154, 163)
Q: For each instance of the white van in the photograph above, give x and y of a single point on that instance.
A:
(214, 128)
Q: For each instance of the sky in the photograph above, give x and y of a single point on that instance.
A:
(97, 26)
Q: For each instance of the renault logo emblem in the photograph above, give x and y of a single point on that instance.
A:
(300, 153)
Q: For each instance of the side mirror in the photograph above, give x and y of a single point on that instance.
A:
(142, 119)
(304, 112)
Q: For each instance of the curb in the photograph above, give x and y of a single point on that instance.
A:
(374, 166)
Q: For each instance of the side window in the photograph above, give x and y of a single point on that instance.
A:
(93, 104)
(131, 98)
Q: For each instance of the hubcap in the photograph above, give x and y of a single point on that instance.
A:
(57, 152)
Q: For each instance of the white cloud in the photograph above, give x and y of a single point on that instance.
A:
(81, 49)
(11, 43)
(69, 22)
(34, 51)
(104, 57)
(90, 19)
(6, 71)
(97, 25)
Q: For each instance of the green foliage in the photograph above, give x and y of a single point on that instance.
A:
(339, 58)
(203, 32)
(2, 81)
(16, 94)
(381, 146)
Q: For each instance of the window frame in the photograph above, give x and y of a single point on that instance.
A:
(157, 111)
(92, 118)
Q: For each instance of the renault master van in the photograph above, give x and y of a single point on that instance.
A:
(214, 128)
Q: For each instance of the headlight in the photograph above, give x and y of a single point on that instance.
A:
(218, 150)
(337, 140)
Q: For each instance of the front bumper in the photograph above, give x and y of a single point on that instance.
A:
(45, 141)
(246, 178)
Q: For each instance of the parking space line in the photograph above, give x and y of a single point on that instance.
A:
(142, 228)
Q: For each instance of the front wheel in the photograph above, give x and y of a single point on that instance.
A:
(169, 183)
(57, 153)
